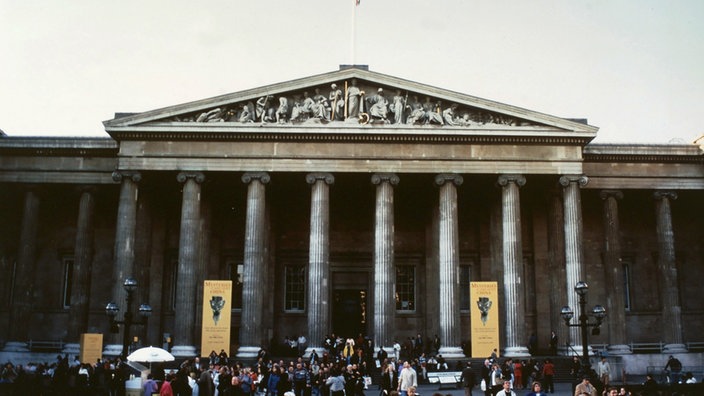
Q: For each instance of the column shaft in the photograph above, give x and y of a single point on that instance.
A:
(448, 263)
(82, 264)
(384, 270)
(671, 308)
(255, 253)
(318, 285)
(514, 286)
(613, 271)
(188, 251)
(23, 290)
(123, 267)
(556, 267)
(574, 257)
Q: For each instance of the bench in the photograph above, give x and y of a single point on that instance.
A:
(445, 378)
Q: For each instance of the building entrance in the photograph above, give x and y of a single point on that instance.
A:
(349, 312)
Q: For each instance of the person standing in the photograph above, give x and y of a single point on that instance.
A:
(506, 391)
(585, 387)
(548, 374)
(389, 380)
(486, 377)
(150, 386)
(553, 343)
(604, 370)
(468, 380)
(536, 390)
(674, 367)
(407, 378)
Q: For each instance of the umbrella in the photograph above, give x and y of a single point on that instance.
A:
(150, 354)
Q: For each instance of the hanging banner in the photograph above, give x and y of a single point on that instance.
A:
(217, 303)
(484, 307)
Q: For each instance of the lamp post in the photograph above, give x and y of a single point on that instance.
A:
(598, 312)
(128, 321)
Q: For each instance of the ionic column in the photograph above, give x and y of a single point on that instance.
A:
(318, 286)
(556, 267)
(255, 253)
(514, 287)
(384, 270)
(448, 263)
(613, 269)
(23, 290)
(123, 267)
(188, 251)
(671, 308)
(574, 257)
(82, 263)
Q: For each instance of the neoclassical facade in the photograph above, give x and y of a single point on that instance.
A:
(349, 202)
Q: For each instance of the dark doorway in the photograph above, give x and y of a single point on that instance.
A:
(349, 312)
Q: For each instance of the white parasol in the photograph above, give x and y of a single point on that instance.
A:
(150, 354)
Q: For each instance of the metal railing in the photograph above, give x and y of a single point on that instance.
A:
(46, 345)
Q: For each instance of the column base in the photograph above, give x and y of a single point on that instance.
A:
(15, 346)
(112, 350)
(516, 351)
(248, 351)
(451, 352)
(674, 348)
(73, 349)
(619, 349)
(183, 351)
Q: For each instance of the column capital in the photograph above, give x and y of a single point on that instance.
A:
(392, 178)
(118, 175)
(605, 194)
(328, 178)
(263, 177)
(504, 180)
(582, 180)
(197, 176)
(659, 195)
(443, 178)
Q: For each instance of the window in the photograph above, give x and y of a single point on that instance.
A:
(68, 281)
(405, 288)
(295, 284)
(627, 284)
(237, 277)
(465, 278)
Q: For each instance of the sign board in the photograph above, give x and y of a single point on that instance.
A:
(91, 348)
(217, 305)
(484, 307)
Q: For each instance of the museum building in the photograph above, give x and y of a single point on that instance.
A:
(350, 202)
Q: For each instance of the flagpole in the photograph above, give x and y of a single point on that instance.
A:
(355, 3)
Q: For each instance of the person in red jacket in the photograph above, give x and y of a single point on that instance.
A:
(548, 374)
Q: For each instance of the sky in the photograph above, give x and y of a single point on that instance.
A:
(635, 69)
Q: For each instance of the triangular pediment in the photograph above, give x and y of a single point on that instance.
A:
(348, 98)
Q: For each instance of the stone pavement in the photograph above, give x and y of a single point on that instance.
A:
(561, 389)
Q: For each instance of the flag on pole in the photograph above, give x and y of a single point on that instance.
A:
(357, 2)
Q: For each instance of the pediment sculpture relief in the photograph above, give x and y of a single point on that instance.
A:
(349, 102)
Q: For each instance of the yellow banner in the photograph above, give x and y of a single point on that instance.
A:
(91, 348)
(217, 303)
(484, 306)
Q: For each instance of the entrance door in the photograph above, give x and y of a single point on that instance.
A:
(349, 312)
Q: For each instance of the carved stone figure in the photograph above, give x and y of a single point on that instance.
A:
(321, 108)
(417, 115)
(398, 105)
(337, 103)
(214, 115)
(353, 99)
(432, 112)
(263, 104)
(448, 115)
(282, 111)
(378, 105)
(247, 112)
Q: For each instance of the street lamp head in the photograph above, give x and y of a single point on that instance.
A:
(111, 309)
(581, 288)
(599, 313)
(130, 284)
(567, 314)
(145, 310)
